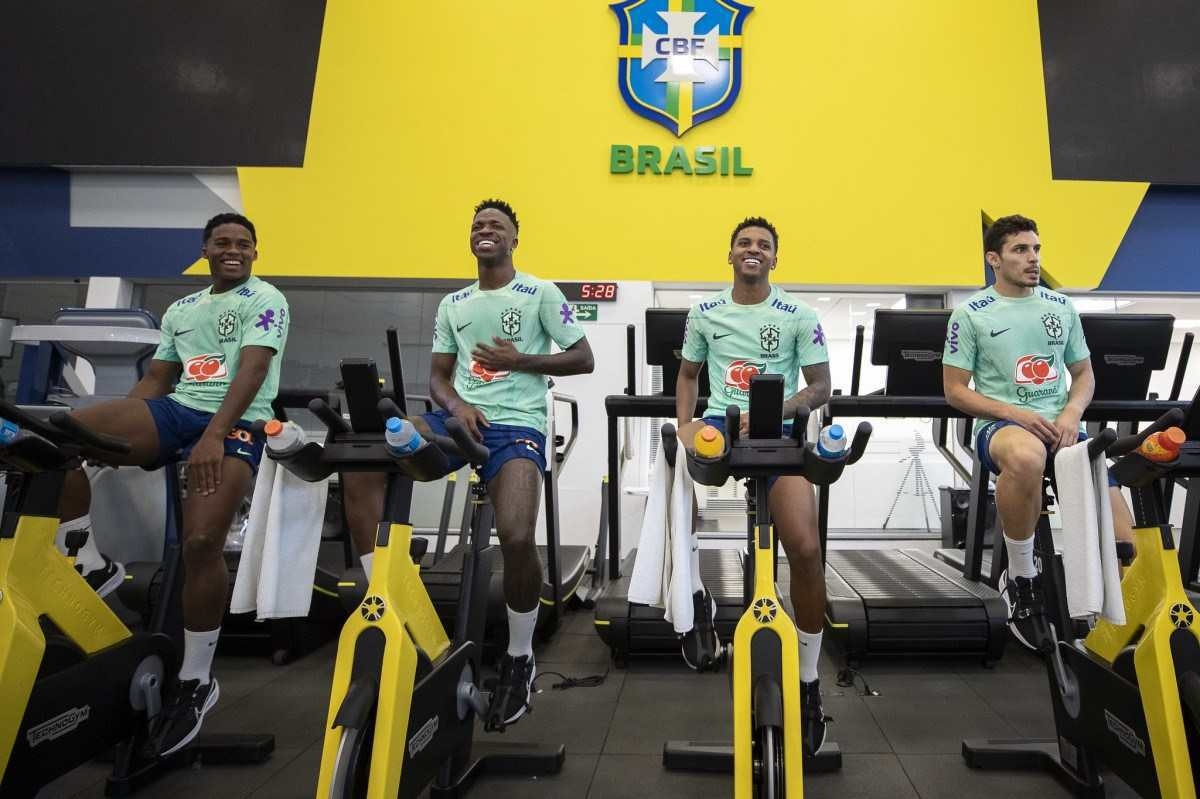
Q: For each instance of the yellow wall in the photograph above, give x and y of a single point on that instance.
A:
(878, 131)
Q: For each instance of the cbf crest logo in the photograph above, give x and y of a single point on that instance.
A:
(510, 322)
(680, 61)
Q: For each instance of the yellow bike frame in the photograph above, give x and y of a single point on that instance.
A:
(765, 613)
(1156, 606)
(35, 580)
(398, 605)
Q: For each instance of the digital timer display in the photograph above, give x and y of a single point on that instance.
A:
(589, 292)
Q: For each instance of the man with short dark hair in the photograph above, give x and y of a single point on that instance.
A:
(223, 345)
(491, 356)
(1018, 340)
(754, 328)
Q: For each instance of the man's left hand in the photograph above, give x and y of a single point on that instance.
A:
(503, 357)
(1067, 425)
(204, 465)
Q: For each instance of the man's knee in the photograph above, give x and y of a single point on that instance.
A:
(803, 547)
(204, 544)
(1024, 461)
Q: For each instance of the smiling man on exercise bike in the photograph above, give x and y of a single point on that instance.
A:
(491, 356)
(752, 328)
(1016, 339)
(223, 345)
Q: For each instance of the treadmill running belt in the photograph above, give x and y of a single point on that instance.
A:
(892, 578)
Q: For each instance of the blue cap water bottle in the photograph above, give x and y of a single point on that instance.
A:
(8, 432)
(401, 437)
(831, 443)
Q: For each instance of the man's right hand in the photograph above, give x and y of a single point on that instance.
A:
(472, 418)
(1034, 423)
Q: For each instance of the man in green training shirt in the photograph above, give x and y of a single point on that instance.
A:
(491, 356)
(1019, 341)
(754, 328)
(223, 345)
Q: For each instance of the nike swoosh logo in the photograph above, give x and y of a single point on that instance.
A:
(998, 332)
(184, 332)
(244, 452)
(464, 327)
(723, 335)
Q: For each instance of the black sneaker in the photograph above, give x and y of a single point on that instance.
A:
(701, 647)
(1026, 607)
(182, 714)
(105, 579)
(510, 699)
(812, 717)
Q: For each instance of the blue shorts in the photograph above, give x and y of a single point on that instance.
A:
(180, 427)
(719, 423)
(505, 442)
(984, 438)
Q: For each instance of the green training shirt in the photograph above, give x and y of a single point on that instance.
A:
(205, 333)
(779, 335)
(1018, 350)
(528, 312)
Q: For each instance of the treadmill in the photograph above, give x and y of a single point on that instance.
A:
(905, 601)
(631, 629)
(1125, 350)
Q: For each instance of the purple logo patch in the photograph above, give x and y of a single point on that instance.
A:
(568, 315)
(265, 319)
(818, 335)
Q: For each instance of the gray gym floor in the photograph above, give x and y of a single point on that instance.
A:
(905, 742)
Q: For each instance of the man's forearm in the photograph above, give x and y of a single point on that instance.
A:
(149, 388)
(813, 396)
(976, 405)
(686, 394)
(1080, 395)
(241, 393)
(443, 393)
(568, 362)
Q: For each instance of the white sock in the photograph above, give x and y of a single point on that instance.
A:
(198, 651)
(365, 560)
(88, 558)
(520, 632)
(810, 653)
(1020, 557)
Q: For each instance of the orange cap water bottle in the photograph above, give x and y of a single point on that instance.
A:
(1163, 446)
(709, 443)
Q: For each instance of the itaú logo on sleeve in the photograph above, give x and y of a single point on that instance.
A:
(203, 368)
(1035, 370)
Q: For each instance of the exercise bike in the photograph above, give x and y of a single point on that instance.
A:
(76, 681)
(1126, 697)
(767, 756)
(404, 699)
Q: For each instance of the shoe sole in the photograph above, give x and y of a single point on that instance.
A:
(112, 583)
(528, 697)
(213, 695)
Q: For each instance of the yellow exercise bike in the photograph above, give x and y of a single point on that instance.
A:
(1126, 697)
(767, 756)
(405, 696)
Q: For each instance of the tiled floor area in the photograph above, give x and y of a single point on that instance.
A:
(902, 743)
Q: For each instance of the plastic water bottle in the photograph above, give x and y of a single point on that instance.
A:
(708, 442)
(401, 437)
(284, 438)
(1163, 446)
(8, 432)
(831, 443)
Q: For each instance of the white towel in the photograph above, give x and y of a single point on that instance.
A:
(279, 553)
(1089, 543)
(667, 543)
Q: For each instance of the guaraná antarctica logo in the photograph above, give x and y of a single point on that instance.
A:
(679, 65)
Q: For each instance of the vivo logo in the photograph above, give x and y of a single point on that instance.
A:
(952, 340)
